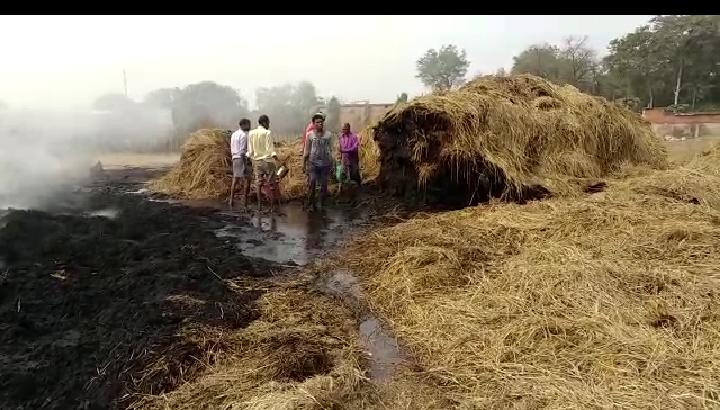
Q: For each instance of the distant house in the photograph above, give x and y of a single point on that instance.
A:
(670, 125)
(362, 114)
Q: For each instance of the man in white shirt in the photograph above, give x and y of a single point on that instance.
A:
(261, 151)
(242, 169)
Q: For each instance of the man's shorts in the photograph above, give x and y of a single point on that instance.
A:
(241, 168)
(265, 169)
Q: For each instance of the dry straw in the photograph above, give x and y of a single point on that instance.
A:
(524, 128)
(300, 354)
(611, 300)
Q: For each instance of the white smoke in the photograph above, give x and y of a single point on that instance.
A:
(44, 152)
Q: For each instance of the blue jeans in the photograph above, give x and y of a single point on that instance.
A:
(318, 175)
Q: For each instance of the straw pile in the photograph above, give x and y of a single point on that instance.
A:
(509, 136)
(205, 167)
(611, 300)
(369, 154)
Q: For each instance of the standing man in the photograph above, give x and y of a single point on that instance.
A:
(242, 168)
(349, 153)
(310, 127)
(262, 153)
(318, 159)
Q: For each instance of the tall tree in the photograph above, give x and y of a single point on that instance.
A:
(304, 96)
(333, 114)
(688, 44)
(288, 106)
(541, 60)
(207, 104)
(574, 63)
(578, 63)
(673, 59)
(636, 58)
(442, 69)
(402, 98)
(162, 97)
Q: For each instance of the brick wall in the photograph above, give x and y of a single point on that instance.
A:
(659, 116)
(360, 115)
(683, 126)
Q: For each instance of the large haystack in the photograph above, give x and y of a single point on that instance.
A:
(609, 300)
(508, 136)
(205, 168)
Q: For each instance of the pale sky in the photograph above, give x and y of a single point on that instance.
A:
(67, 61)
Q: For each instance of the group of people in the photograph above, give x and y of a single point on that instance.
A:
(253, 153)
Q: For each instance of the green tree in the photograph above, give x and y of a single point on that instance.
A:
(442, 69)
(574, 63)
(636, 59)
(207, 104)
(402, 98)
(162, 97)
(305, 97)
(289, 107)
(690, 45)
(541, 60)
(672, 60)
(333, 114)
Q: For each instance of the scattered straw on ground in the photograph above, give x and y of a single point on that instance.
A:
(611, 300)
(205, 167)
(300, 354)
(522, 129)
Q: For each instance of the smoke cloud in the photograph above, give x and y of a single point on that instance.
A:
(45, 152)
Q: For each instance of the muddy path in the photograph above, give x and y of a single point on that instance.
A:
(106, 292)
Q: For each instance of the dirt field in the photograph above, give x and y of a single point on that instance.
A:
(681, 151)
(129, 159)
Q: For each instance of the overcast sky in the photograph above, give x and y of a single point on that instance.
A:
(67, 61)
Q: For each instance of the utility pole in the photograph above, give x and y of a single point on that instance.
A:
(125, 82)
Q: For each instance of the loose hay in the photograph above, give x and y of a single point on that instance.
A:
(204, 170)
(301, 354)
(611, 300)
(519, 132)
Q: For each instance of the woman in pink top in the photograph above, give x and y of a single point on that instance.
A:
(349, 152)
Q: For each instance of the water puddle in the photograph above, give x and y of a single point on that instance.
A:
(382, 350)
(291, 236)
(109, 213)
(139, 191)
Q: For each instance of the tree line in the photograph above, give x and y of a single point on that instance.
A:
(673, 61)
(209, 105)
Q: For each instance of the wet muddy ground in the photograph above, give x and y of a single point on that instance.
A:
(106, 292)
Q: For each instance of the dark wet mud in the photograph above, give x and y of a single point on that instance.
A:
(100, 287)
